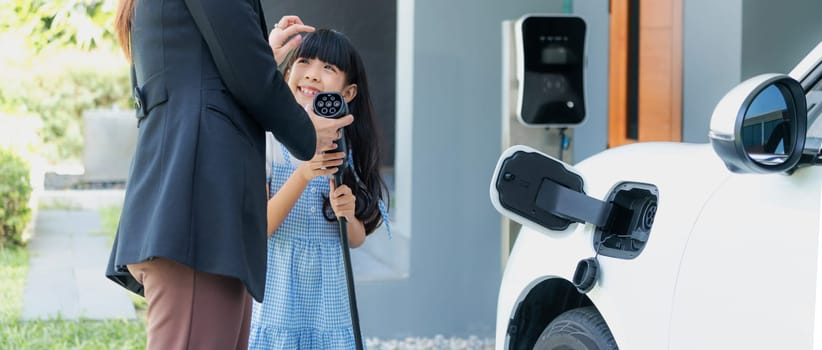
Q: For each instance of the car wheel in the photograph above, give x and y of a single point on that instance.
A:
(577, 329)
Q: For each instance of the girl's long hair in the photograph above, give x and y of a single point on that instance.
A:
(122, 25)
(363, 177)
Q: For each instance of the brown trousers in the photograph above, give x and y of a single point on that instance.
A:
(189, 309)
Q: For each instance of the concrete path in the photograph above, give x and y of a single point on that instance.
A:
(68, 254)
(67, 260)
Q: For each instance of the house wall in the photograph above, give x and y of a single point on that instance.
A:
(448, 110)
(777, 35)
(448, 137)
(448, 114)
(712, 48)
(726, 42)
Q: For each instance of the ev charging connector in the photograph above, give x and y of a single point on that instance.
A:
(332, 105)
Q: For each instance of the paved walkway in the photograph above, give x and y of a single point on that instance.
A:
(67, 260)
(68, 254)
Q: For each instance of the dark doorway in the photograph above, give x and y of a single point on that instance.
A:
(372, 27)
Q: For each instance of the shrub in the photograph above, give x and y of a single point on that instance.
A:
(15, 191)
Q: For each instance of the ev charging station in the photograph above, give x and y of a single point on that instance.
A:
(550, 69)
(544, 71)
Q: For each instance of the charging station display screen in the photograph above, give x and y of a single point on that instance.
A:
(553, 61)
(555, 54)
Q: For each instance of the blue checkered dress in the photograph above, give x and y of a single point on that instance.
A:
(306, 297)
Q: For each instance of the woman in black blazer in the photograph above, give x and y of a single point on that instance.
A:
(192, 235)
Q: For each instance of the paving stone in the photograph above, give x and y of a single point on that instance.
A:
(67, 261)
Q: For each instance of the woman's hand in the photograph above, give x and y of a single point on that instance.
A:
(321, 165)
(343, 201)
(284, 37)
(328, 129)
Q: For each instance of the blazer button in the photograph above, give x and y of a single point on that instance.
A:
(138, 102)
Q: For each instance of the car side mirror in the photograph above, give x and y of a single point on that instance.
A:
(759, 126)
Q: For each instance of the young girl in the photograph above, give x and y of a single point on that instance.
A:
(306, 298)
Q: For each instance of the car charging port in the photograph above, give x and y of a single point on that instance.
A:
(630, 221)
(544, 191)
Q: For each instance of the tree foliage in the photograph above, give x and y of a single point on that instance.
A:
(59, 91)
(59, 58)
(85, 24)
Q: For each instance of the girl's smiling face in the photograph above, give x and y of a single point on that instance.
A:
(309, 76)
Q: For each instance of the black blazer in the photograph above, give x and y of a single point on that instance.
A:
(206, 89)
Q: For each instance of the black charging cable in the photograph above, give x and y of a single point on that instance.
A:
(332, 105)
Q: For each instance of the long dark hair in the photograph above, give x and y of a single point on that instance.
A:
(363, 177)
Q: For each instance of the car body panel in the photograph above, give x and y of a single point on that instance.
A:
(703, 265)
(731, 262)
(751, 269)
(678, 209)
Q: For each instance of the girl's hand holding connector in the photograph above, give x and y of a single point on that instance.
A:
(323, 164)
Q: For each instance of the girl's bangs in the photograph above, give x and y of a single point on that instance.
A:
(327, 46)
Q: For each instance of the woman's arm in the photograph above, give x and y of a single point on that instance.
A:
(237, 40)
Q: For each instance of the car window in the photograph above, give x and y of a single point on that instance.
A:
(814, 98)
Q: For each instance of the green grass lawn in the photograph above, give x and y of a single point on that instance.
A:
(58, 334)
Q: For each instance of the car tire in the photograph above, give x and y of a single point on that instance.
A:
(577, 329)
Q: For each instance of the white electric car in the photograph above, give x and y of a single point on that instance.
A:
(671, 245)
